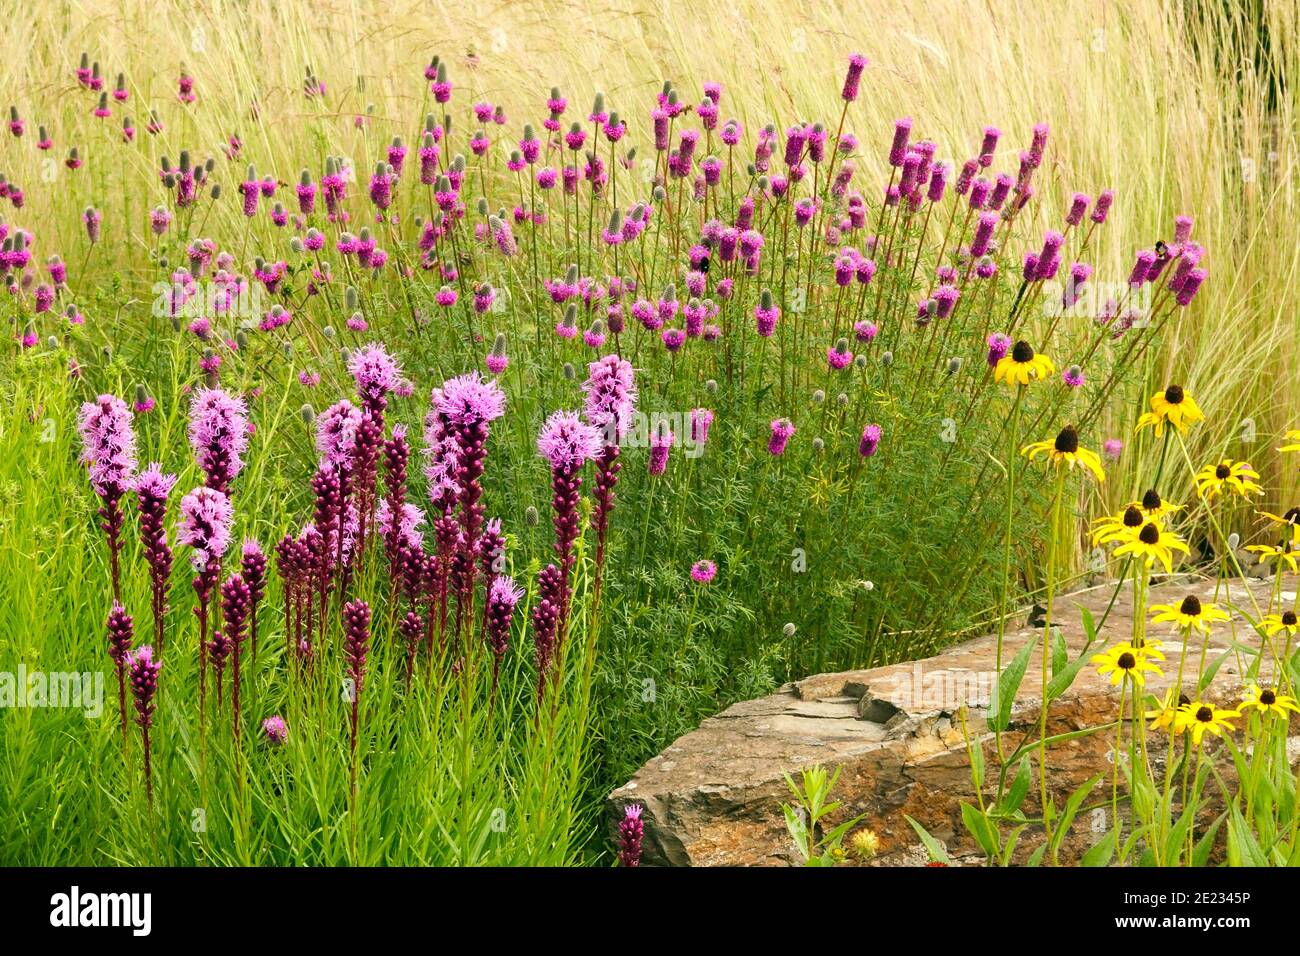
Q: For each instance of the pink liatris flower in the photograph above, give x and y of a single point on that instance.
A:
(376, 374)
(567, 443)
(219, 435)
(120, 634)
(356, 630)
(108, 451)
(206, 516)
(630, 833)
(702, 572)
(502, 598)
(152, 488)
(782, 430)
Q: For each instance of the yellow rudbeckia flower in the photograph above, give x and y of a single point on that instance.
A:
(1201, 718)
(1021, 365)
(1175, 406)
(1268, 552)
(1275, 623)
(1152, 543)
(1289, 523)
(1190, 614)
(1125, 660)
(1066, 449)
(1294, 438)
(1269, 701)
(1228, 476)
(1163, 717)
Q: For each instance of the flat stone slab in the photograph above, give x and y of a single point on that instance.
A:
(714, 796)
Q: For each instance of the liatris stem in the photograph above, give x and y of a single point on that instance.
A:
(152, 488)
(236, 598)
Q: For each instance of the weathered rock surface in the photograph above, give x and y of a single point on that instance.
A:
(714, 796)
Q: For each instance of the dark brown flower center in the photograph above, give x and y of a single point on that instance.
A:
(1267, 698)
(1223, 471)
(1191, 606)
(1022, 352)
(1149, 534)
(1292, 515)
(1127, 661)
(1151, 500)
(1174, 394)
(1289, 618)
(1205, 715)
(1068, 441)
(1132, 517)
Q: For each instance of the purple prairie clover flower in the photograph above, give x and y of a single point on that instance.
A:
(631, 831)
(1078, 207)
(396, 155)
(838, 356)
(1001, 189)
(1190, 285)
(898, 149)
(1142, 264)
(766, 314)
(497, 360)
(1080, 272)
(503, 596)
(782, 430)
(870, 440)
(1073, 376)
(989, 146)
(945, 299)
(966, 177)
(206, 516)
(979, 193)
(938, 182)
(986, 268)
(984, 228)
(865, 270)
(661, 443)
(864, 331)
(1102, 206)
(428, 154)
(673, 339)
(143, 671)
(446, 297)
(92, 218)
(120, 635)
(484, 296)
(703, 572)
(276, 730)
(853, 77)
(701, 419)
(502, 236)
(1182, 229)
(1030, 266)
(999, 344)
(185, 88)
(594, 336)
(218, 434)
(159, 220)
(1039, 144)
(1112, 448)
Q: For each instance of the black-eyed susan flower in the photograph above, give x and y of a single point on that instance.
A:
(1066, 449)
(1022, 365)
(1288, 524)
(1153, 506)
(1163, 717)
(1125, 660)
(1152, 543)
(1277, 623)
(1201, 718)
(1269, 701)
(1175, 406)
(1269, 553)
(1190, 614)
(1116, 527)
(1228, 477)
(1293, 441)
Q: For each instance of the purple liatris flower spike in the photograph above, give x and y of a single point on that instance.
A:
(567, 442)
(336, 435)
(503, 595)
(782, 430)
(219, 435)
(356, 642)
(252, 563)
(143, 671)
(376, 374)
(120, 635)
(152, 488)
(631, 831)
(108, 450)
(206, 515)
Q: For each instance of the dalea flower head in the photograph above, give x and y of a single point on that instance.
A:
(702, 572)
(782, 430)
(470, 400)
(1175, 406)
(567, 442)
(206, 516)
